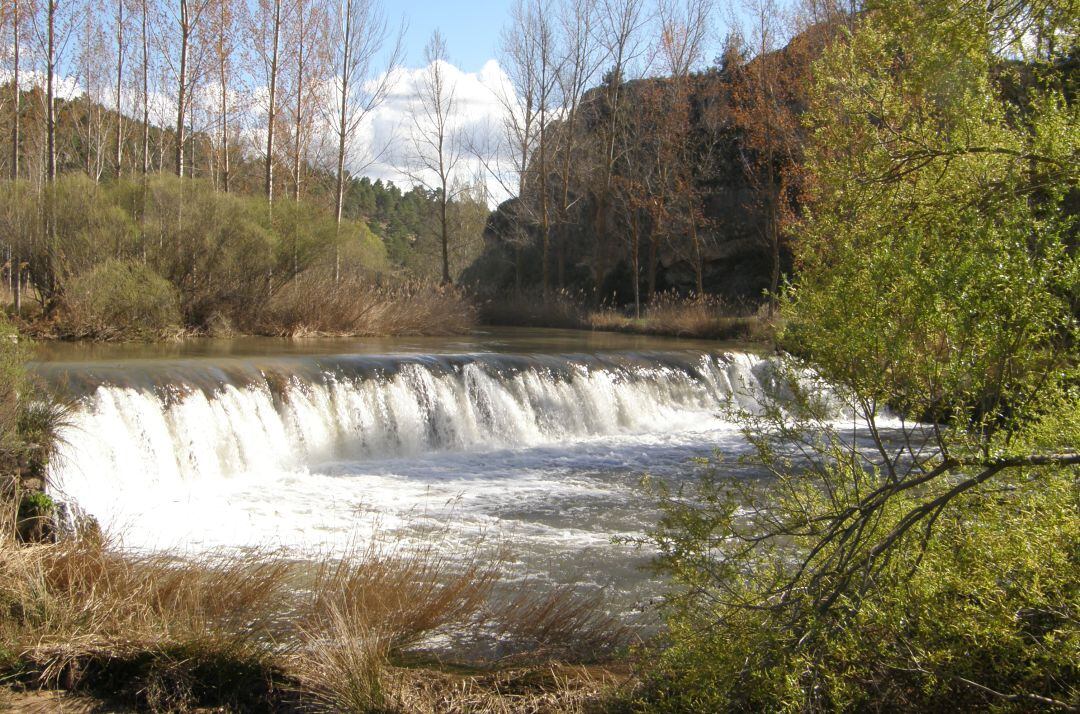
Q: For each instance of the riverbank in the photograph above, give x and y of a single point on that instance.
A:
(665, 315)
(263, 631)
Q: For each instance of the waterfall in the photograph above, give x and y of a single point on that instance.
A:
(208, 424)
(155, 434)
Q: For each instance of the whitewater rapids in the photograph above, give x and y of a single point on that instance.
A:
(315, 453)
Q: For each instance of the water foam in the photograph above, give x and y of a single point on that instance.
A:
(308, 453)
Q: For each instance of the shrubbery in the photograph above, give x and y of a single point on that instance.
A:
(121, 297)
(125, 259)
(931, 561)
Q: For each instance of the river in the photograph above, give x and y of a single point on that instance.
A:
(533, 438)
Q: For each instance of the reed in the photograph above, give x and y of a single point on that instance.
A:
(315, 305)
(255, 629)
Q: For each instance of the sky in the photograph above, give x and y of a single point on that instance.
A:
(471, 28)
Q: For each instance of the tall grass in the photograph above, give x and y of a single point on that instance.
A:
(703, 316)
(246, 629)
(353, 306)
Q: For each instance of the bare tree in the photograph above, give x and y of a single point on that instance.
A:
(520, 50)
(187, 19)
(684, 29)
(620, 35)
(224, 29)
(435, 140)
(92, 60)
(360, 35)
(307, 71)
(266, 30)
(766, 90)
(16, 99)
(51, 33)
(578, 63)
(121, 25)
(144, 77)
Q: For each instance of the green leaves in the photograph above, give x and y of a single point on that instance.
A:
(890, 563)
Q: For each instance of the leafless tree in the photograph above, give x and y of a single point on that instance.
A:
(224, 22)
(121, 25)
(578, 63)
(435, 138)
(307, 71)
(144, 79)
(187, 19)
(361, 83)
(16, 98)
(267, 22)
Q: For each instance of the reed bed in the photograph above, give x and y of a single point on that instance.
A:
(704, 317)
(260, 630)
(354, 306)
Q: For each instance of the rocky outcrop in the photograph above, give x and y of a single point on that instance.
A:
(590, 244)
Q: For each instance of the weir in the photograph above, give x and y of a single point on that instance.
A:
(311, 450)
(197, 421)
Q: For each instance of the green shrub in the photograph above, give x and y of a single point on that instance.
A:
(121, 298)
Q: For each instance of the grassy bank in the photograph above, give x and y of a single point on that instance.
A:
(258, 631)
(666, 315)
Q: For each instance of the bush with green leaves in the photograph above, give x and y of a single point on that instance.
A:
(121, 298)
(926, 557)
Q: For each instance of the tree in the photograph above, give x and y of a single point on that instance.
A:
(121, 26)
(360, 35)
(266, 30)
(16, 98)
(578, 62)
(307, 70)
(435, 138)
(144, 78)
(902, 560)
(621, 37)
(766, 99)
(224, 27)
(187, 19)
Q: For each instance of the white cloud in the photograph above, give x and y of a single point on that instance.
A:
(479, 113)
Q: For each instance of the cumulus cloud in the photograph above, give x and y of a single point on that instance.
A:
(479, 106)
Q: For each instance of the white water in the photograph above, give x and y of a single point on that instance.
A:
(545, 451)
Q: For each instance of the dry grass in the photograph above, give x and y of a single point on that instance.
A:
(254, 630)
(315, 305)
(705, 317)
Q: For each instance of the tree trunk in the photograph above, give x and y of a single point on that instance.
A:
(272, 109)
(635, 267)
(223, 78)
(145, 93)
(181, 93)
(16, 99)
(445, 236)
(298, 126)
(119, 85)
(50, 108)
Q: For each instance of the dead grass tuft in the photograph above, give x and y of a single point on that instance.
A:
(250, 630)
(315, 305)
(704, 317)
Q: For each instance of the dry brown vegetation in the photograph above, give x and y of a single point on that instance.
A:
(260, 630)
(706, 317)
(667, 314)
(356, 307)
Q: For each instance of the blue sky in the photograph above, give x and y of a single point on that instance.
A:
(471, 28)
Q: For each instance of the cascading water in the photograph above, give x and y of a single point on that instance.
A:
(315, 452)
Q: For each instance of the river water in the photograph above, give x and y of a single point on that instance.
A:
(533, 438)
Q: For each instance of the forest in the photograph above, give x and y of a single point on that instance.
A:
(841, 472)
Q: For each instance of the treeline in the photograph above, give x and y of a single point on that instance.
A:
(645, 165)
(233, 99)
(143, 258)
